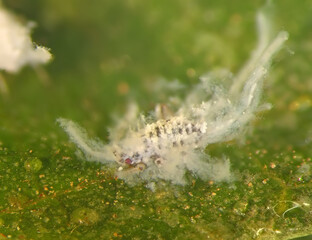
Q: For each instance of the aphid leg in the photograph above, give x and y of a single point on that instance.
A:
(124, 173)
(162, 111)
(93, 150)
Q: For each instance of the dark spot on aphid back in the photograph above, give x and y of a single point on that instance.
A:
(164, 127)
(174, 144)
(157, 131)
(180, 130)
(187, 130)
(194, 128)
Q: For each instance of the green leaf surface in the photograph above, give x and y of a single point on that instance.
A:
(107, 52)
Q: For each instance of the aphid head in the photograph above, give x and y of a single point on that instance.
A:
(122, 158)
(129, 165)
(128, 159)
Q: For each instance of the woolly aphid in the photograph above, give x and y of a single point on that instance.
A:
(16, 46)
(173, 144)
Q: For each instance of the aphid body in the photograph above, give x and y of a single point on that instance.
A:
(171, 144)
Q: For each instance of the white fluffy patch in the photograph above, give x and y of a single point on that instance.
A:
(16, 46)
(171, 144)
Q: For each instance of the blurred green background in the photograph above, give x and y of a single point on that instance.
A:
(109, 52)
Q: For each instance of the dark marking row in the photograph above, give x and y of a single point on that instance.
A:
(175, 131)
